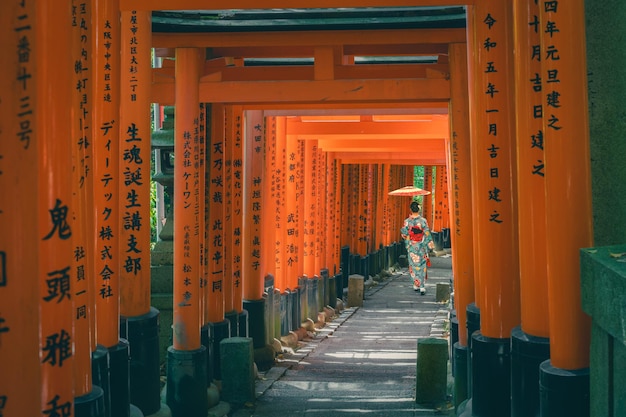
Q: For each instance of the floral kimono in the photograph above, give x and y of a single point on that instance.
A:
(418, 240)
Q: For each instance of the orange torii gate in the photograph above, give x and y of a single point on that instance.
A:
(341, 86)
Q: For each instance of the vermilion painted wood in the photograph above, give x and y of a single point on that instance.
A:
(531, 199)
(568, 178)
(292, 229)
(83, 214)
(47, 132)
(134, 132)
(218, 285)
(493, 155)
(254, 144)
(309, 199)
(19, 322)
(269, 264)
(281, 198)
(280, 4)
(236, 213)
(187, 273)
(306, 41)
(460, 188)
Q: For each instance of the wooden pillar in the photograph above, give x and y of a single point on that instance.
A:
(253, 204)
(44, 100)
(134, 252)
(269, 259)
(565, 120)
(45, 130)
(387, 232)
(323, 199)
(361, 209)
(280, 197)
(332, 216)
(36, 330)
(427, 200)
(461, 228)
(216, 289)
(235, 135)
(445, 199)
(82, 206)
(496, 225)
(441, 218)
(220, 122)
(186, 201)
(380, 196)
(215, 326)
(140, 322)
(346, 174)
(253, 279)
(233, 306)
(291, 213)
(567, 179)
(204, 139)
(300, 158)
(309, 200)
(530, 344)
(461, 189)
(187, 358)
(370, 204)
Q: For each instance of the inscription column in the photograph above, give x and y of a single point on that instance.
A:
(569, 216)
(496, 223)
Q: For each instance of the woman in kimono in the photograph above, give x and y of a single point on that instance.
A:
(419, 241)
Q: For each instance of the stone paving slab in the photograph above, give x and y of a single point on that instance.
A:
(364, 361)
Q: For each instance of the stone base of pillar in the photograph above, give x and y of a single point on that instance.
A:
(135, 411)
(472, 323)
(90, 404)
(142, 333)
(312, 303)
(186, 394)
(284, 315)
(100, 375)
(304, 300)
(256, 321)
(454, 338)
(563, 392)
(460, 358)
(295, 310)
(119, 376)
(212, 334)
(232, 317)
(527, 354)
(243, 325)
(491, 376)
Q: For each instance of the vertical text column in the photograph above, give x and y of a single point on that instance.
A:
(19, 280)
(496, 214)
(568, 179)
(44, 98)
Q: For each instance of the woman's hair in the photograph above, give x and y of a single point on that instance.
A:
(415, 207)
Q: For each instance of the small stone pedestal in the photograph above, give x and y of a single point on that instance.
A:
(355, 290)
(431, 379)
(237, 355)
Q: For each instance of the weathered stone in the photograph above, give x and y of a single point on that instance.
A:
(237, 361)
(355, 290)
(431, 379)
(443, 292)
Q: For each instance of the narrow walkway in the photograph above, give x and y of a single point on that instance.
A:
(364, 361)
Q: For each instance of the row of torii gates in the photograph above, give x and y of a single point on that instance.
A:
(252, 177)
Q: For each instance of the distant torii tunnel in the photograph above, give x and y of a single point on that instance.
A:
(276, 179)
